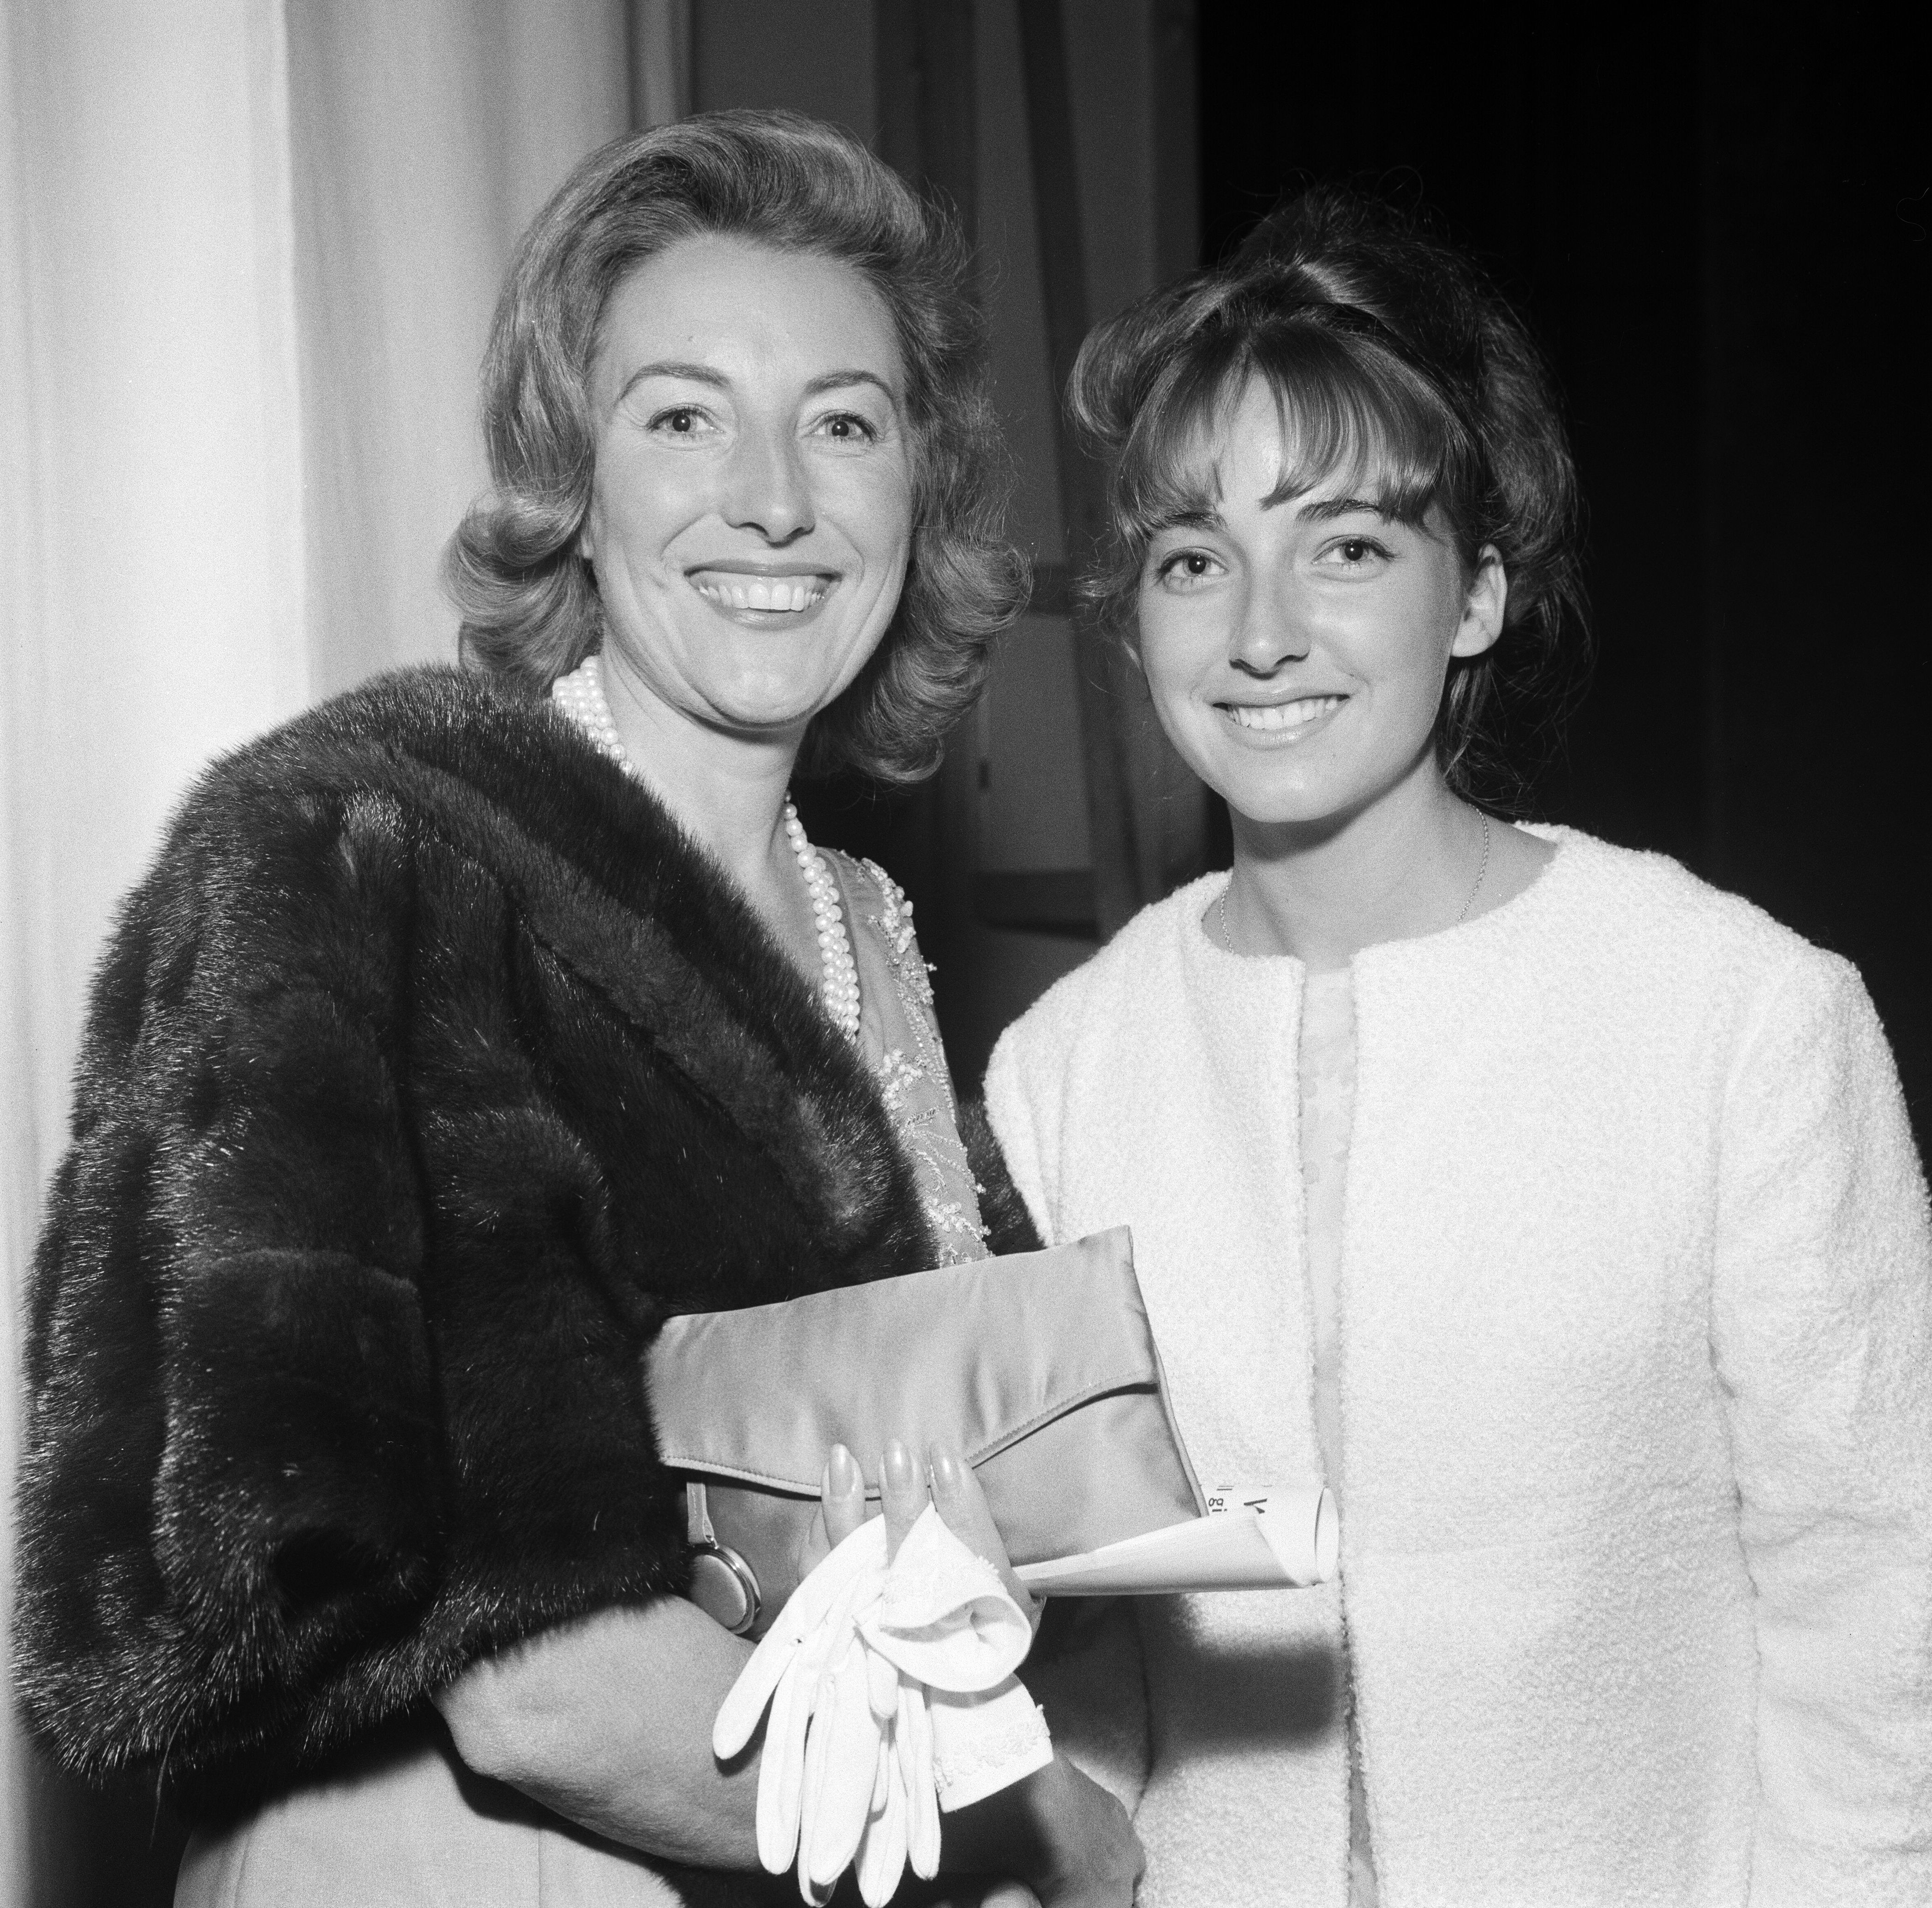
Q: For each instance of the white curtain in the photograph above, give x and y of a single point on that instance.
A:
(424, 137)
(248, 250)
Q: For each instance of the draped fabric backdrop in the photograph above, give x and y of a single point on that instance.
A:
(248, 252)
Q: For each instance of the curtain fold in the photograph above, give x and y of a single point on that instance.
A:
(425, 137)
(248, 252)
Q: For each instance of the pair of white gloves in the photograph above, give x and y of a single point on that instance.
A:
(892, 1698)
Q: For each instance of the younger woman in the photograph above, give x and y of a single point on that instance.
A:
(1561, 1209)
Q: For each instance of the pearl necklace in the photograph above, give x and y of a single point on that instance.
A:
(838, 972)
(579, 696)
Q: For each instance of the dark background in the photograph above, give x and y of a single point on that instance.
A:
(1716, 221)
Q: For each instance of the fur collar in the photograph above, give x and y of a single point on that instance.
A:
(615, 890)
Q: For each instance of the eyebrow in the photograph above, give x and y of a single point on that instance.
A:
(835, 380)
(1321, 510)
(697, 373)
(1198, 516)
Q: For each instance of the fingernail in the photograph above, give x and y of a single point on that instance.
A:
(899, 1465)
(842, 1472)
(944, 1463)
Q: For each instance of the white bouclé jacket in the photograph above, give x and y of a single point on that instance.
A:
(1636, 1400)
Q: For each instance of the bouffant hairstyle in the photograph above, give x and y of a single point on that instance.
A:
(1399, 371)
(529, 601)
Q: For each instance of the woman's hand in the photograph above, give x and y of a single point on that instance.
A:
(949, 1485)
(1058, 1832)
(1056, 1839)
(842, 1510)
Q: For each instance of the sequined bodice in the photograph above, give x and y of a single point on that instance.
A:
(899, 1039)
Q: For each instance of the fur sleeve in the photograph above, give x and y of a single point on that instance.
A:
(231, 1479)
(1822, 1333)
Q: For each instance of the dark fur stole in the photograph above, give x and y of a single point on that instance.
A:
(429, 1069)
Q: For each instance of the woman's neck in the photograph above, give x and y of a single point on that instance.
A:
(1417, 860)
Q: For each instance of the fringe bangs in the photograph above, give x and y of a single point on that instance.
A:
(1356, 419)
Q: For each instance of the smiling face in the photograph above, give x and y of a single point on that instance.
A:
(751, 502)
(1296, 646)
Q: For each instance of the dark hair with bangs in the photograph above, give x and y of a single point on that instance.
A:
(1400, 371)
(529, 601)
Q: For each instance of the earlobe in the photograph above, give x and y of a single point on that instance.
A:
(1484, 606)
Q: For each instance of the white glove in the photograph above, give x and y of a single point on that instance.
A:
(860, 1754)
(984, 1742)
(943, 1617)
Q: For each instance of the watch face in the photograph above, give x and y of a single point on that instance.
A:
(724, 1586)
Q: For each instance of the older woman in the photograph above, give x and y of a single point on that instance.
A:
(473, 1023)
(1559, 1208)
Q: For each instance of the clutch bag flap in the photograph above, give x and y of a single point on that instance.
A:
(1040, 1367)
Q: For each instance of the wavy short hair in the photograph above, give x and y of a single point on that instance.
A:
(529, 601)
(1399, 369)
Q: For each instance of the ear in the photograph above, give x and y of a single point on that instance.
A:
(1483, 606)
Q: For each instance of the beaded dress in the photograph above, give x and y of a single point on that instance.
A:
(875, 987)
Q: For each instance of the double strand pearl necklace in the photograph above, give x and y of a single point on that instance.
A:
(580, 697)
(838, 972)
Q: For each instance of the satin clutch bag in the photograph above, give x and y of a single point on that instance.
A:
(1039, 1367)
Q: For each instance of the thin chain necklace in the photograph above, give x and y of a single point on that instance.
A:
(1482, 871)
(1221, 906)
(580, 695)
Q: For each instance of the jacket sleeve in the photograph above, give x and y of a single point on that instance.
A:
(231, 1481)
(1823, 1336)
(1025, 1081)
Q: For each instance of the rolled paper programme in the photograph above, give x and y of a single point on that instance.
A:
(1273, 1539)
